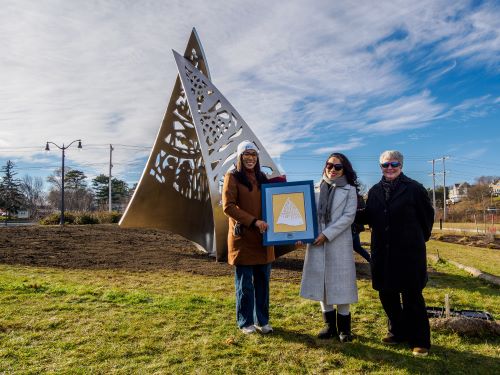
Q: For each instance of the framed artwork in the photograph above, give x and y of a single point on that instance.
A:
(289, 208)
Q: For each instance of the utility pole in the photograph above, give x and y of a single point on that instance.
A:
(110, 205)
(444, 185)
(63, 149)
(433, 161)
(433, 186)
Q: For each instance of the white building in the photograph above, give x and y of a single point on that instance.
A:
(23, 214)
(458, 192)
(495, 188)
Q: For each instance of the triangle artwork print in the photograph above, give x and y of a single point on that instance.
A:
(289, 213)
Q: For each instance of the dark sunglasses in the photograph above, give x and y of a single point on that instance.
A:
(337, 167)
(393, 164)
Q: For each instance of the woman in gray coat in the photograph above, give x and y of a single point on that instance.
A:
(329, 274)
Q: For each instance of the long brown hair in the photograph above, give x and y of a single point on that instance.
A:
(239, 173)
(349, 172)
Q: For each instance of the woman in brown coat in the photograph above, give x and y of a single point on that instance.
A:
(241, 199)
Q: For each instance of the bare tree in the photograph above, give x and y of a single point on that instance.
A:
(32, 189)
(479, 193)
(77, 195)
(486, 180)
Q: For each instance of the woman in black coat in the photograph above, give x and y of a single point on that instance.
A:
(401, 216)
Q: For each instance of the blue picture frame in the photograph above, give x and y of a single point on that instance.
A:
(302, 191)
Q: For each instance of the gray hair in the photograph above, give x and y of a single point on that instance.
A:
(391, 154)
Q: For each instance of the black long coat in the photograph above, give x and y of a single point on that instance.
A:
(400, 228)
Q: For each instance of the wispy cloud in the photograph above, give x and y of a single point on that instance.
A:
(478, 38)
(474, 154)
(402, 114)
(440, 72)
(473, 108)
(350, 144)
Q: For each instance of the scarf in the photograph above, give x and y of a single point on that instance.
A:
(390, 186)
(326, 193)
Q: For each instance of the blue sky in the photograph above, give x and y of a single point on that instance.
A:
(309, 77)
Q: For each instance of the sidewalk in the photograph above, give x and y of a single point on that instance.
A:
(17, 223)
(465, 230)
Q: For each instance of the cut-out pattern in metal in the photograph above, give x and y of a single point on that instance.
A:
(180, 188)
(179, 162)
(220, 128)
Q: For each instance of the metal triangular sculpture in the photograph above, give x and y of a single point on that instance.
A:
(180, 187)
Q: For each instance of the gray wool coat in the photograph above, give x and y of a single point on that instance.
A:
(329, 274)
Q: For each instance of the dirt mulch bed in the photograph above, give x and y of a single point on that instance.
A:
(112, 247)
(476, 241)
(466, 326)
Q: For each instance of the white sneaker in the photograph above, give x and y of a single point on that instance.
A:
(264, 329)
(248, 330)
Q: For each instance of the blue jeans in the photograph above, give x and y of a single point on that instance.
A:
(252, 294)
(356, 245)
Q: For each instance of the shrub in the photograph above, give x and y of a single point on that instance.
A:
(51, 219)
(84, 218)
(55, 218)
(106, 217)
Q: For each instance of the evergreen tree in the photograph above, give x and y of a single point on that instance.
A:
(119, 190)
(11, 198)
(75, 180)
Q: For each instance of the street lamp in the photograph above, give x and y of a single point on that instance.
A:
(63, 149)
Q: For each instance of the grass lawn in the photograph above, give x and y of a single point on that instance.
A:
(486, 260)
(112, 321)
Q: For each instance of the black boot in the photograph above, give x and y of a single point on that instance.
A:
(344, 324)
(330, 328)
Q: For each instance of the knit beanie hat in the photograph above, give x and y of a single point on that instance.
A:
(246, 145)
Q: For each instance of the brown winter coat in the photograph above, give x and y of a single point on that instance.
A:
(244, 206)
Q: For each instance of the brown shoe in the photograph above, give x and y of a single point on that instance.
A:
(420, 352)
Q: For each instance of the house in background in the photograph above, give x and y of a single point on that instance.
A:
(495, 188)
(23, 214)
(458, 192)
